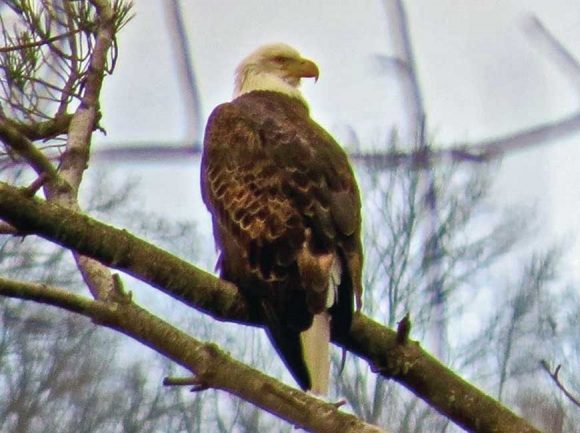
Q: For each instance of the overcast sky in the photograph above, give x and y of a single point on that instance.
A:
(482, 74)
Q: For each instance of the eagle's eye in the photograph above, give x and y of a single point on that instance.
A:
(280, 60)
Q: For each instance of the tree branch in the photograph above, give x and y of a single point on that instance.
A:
(38, 43)
(555, 377)
(407, 364)
(22, 146)
(212, 366)
(75, 158)
(42, 130)
(397, 17)
(561, 54)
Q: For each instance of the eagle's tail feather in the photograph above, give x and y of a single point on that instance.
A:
(287, 343)
(316, 351)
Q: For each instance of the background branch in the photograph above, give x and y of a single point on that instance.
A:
(555, 377)
(396, 14)
(190, 93)
(466, 152)
(38, 43)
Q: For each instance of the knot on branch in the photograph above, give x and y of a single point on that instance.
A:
(404, 355)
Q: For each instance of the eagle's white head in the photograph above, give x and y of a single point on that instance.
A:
(275, 67)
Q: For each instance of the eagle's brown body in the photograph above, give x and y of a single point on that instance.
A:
(283, 199)
(286, 214)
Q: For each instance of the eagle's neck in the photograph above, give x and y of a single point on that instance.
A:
(250, 80)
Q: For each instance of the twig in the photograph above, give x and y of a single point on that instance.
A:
(180, 381)
(556, 379)
(404, 330)
(75, 70)
(26, 149)
(194, 382)
(42, 130)
(39, 43)
(121, 295)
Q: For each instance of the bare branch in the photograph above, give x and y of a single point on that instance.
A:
(212, 366)
(39, 43)
(190, 94)
(75, 158)
(44, 294)
(562, 55)
(480, 152)
(525, 139)
(42, 130)
(400, 30)
(26, 149)
(407, 364)
(556, 379)
(180, 381)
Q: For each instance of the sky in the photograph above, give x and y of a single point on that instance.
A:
(482, 72)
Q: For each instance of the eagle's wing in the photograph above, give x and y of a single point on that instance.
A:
(259, 229)
(282, 197)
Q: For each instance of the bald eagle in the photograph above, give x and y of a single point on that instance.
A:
(286, 211)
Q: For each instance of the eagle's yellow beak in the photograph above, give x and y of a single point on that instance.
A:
(303, 68)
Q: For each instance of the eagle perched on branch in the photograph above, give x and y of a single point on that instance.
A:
(286, 211)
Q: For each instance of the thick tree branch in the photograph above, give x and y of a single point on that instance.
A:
(407, 364)
(212, 366)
